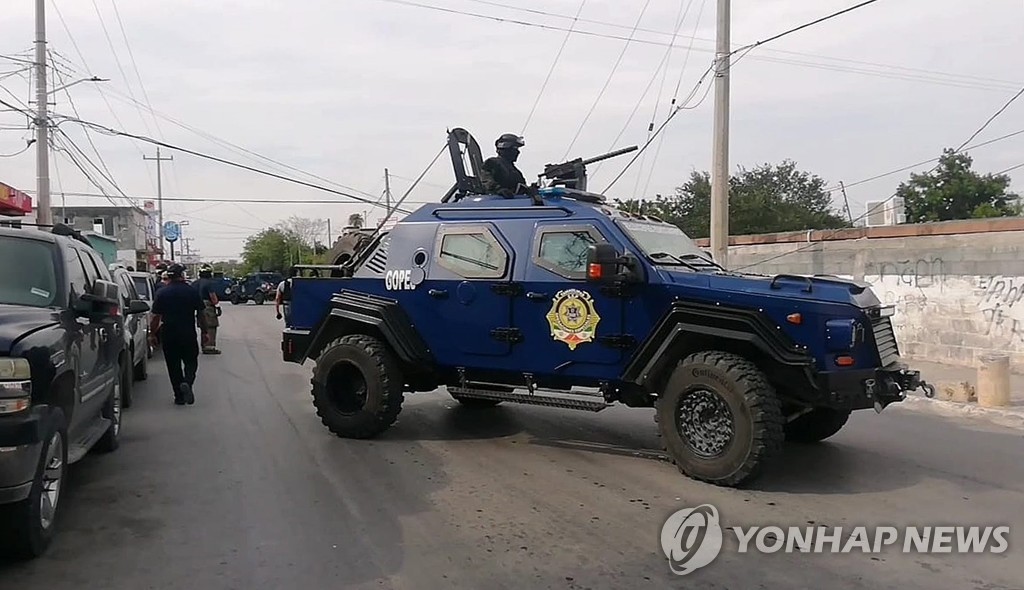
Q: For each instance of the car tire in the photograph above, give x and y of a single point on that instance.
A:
(258, 298)
(719, 418)
(140, 372)
(111, 439)
(357, 387)
(235, 299)
(816, 425)
(28, 526)
(127, 395)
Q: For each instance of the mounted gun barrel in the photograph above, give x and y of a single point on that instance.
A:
(573, 174)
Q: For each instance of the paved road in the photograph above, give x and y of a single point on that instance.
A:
(247, 490)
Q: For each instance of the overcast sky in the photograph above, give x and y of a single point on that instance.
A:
(344, 88)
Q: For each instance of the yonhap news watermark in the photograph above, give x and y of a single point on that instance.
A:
(692, 538)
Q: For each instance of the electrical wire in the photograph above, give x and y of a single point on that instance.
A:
(991, 83)
(150, 140)
(135, 65)
(797, 28)
(607, 82)
(117, 61)
(551, 70)
(990, 119)
(19, 152)
(1010, 169)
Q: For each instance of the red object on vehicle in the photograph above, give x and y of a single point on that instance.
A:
(13, 201)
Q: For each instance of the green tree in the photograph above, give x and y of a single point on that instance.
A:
(954, 191)
(765, 199)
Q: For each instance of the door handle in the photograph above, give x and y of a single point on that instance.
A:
(104, 335)
(536, 296)
(438, 293)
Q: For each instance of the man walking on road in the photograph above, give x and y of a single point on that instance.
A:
(210, 310)
(176, 311)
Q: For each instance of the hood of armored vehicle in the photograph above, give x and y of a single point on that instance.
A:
(819, 288)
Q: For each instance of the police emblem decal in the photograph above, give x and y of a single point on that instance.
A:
(573, 318)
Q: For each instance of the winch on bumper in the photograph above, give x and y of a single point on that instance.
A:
(868, 388)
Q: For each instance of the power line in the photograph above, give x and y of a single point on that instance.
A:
(117, 60)
(803, 26)
(1010, 169)
(135, 65)
(914, 74)
(990, 119)
(220, 160)
(551, 70)
(607, 82)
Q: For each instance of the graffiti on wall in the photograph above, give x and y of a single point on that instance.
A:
(1002, 306)
(921, 273)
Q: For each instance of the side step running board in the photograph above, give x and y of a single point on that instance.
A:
(78, 449)
(567, 401)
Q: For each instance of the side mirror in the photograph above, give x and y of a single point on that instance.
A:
(102, 299)
(137, 306)
(606, 265)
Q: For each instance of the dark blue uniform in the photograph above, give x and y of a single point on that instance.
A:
(179, 306)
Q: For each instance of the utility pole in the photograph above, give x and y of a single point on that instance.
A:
(45, 214)
(160, 194)
(720, 148)
(846, 201)
(329, 243)
(387, 191)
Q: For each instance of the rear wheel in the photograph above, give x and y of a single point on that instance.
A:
(357, 387)
(111, 411)
(127, 396)
(816, 425)
(258, 298)
(30, 524)
(719, 418)
(235, 299)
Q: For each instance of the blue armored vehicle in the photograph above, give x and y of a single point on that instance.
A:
(557, 298)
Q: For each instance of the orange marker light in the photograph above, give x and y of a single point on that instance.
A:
(795, 318)
(594, 271)
(845, 361)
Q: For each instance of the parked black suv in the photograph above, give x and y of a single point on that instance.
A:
(63, 364)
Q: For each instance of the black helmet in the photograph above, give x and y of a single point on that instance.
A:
(175, 271)
(206, 271)
(509, 140)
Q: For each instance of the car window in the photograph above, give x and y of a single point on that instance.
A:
(472, 254)
(565, 252)
(27, 273)
(101, 269)
(142, 287)
(91, 272)
(76, 273)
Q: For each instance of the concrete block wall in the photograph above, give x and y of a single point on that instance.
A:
(958, 287)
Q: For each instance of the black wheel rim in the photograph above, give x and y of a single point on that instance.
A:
(705, 423)
(346, 387)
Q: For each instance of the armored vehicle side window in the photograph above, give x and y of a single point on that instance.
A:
(563, 251)
(90, 267)
(472, 253)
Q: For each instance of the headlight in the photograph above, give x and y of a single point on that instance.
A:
(14, 368)
(15, 386)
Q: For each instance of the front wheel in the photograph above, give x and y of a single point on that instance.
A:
(816, 425)
(127, 395)
(258, 298)
(719, 418)
(30, 524)
(357, 387)
(235, 299)
(111, 439)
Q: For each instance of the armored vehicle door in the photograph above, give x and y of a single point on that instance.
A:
(468, 286)
(568, 324)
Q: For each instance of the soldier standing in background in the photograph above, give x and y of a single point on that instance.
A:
(211, 311)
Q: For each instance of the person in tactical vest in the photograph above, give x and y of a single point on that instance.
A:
(211, 311)
(283, 298)
(500, 175)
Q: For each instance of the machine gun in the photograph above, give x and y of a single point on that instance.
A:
(573, 174)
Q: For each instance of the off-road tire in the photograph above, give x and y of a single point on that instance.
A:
(258, 298)
(476, 403)
(383, 385)
(235, 299)
(111, 439)
(125, 374)
(24, 536)
(756, 417)
(816, 425)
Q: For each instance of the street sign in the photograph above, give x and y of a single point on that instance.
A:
(172, 231)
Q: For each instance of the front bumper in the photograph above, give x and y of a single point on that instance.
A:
(867, 388)
(20, 444)
(295, 344)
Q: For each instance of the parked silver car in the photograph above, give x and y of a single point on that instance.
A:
(136, 328)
